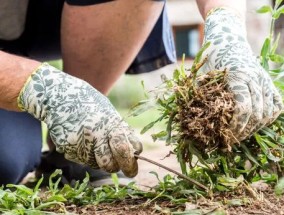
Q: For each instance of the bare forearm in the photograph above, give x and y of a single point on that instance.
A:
(100, 51)
(206, 5)
(14, 72)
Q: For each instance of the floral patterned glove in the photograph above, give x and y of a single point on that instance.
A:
(82, 122)
(258, 102)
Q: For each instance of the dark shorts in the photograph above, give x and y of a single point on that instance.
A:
(41, 38)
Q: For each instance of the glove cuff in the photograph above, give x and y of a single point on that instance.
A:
(19, 99)
(229, 9)
(37, 90)
(224, 21)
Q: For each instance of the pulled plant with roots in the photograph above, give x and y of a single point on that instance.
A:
(197, 109)
(204, 111)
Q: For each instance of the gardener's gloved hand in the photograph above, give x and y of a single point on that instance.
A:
(258, 102)
(82, 122)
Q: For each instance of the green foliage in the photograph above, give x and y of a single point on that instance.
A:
(19, 199)
(279, 188)
(268, 52)
(257, 158)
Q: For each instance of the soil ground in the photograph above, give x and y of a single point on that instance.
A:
(269, 204)
(158, 152)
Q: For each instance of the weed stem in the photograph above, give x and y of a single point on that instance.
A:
(173, 171)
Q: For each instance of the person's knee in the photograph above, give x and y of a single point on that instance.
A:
(20, 145)
(11, 171)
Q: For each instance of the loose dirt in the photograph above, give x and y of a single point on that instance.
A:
(269, 204)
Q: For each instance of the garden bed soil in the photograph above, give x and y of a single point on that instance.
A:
(271, 205)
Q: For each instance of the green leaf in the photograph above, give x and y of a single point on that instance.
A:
(36, 188)
(182, 69)
(169, 128)
(142, 107)
(279, 188)
(265, 9)
(269, 177)
(221, 188)
(230, 182)
(82, 187)
(213, 160)
(280, 140)
(248, 154)
(268, 132)
(176, 74)
(237, 159)
(225, 166)
(56, 198)
(279, 85)
(264, 53)
(144, 90)
(181, 163)
(155, 174)
(276, 58)
(265, 148)
(265, 48)
(115, 180)
(151, 124)
(53, 186)
(159, 135)
(275, 44)
(200, 53)
(278, 12)
(195, 152)
(49, 205)
(22, 188)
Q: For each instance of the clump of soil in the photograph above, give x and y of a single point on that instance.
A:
(204, 110)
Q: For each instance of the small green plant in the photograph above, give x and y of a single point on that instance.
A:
(20, 199)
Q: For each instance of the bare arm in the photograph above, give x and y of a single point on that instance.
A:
(14, 72)
(99, 42)
(206, 5)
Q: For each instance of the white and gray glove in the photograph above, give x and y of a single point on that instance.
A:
(258, 102)
(82, 122)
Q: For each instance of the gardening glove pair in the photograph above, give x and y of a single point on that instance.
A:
(82, 122)
(257, 101)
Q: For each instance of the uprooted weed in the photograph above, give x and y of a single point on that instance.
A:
(197, 110)
(204, 110)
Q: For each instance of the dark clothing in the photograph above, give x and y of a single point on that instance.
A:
(20, 145)
(86, 2)
(91, 2)
(41, 37)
